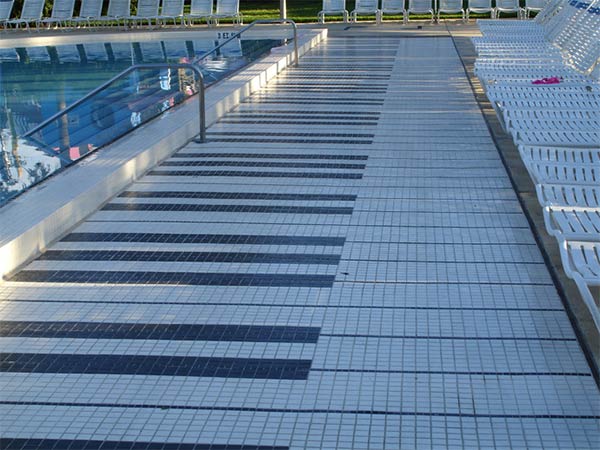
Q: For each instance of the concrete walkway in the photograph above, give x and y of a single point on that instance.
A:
(344, 265)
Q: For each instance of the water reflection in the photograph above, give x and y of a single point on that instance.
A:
(37, 82)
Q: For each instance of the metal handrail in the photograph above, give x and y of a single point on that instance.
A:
(258, 22)
(195, 69)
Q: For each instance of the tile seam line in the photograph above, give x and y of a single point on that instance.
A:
(553, 275)
(309, 411)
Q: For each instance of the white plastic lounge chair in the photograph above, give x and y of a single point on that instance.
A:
(147, 11)
(480, 7)
(118, 11)
(364, 8)
(392, 7)
(573, 222)
(171, 10)
(562, 155)
(568, 195)
(333, 8)
(507, 6)
(581, 261)
(5, 10)
(90, 10)
(31, 13)
(543, 172)
(451, 7)
(419, 7)
(62, 13)
(228, 9)
(200, 9)
(532, 6)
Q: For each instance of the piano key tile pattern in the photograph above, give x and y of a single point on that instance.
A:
(344, 265)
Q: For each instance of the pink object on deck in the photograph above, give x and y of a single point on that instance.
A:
(551, 80)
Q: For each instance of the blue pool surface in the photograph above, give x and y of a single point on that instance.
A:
(38, 82)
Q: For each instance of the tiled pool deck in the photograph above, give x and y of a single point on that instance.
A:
(345, 265)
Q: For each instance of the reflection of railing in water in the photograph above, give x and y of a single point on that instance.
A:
(98, 115)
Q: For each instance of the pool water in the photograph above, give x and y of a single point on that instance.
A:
(37, 82)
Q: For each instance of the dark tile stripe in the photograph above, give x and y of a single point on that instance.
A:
(271, 156)
(314, 115)
(184, 366)
(368, 412)
(298, 121)
(283, 112)
(244, 173)
(170, 332)
(80, 444)
(177, 278)
(284, 134)
(182, 207)
(319, 101)
(294, 141)
(239, 195)
(298, 165)
(191, 257)
(168, 238)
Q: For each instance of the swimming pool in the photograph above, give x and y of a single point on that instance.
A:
(38, 81)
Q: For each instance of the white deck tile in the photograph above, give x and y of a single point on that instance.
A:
(442, 329)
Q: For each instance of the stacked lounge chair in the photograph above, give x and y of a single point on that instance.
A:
(542, 77)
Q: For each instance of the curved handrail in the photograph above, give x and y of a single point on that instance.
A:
(258, 22)
(195, 69)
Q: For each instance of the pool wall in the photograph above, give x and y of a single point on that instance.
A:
(46, 212)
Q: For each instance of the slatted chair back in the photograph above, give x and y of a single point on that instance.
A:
(63, 9)
(147, 8)
(507, 5)
(392, 6)
(119, 8)
(366, 5)
(6, 7)
(90, 8)
(450, 6)
(201, 8)
(550, 9)
(420, 6)
(480, 5)
(334, 5)
(32, 10)
(228, 7)
(173, 8)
